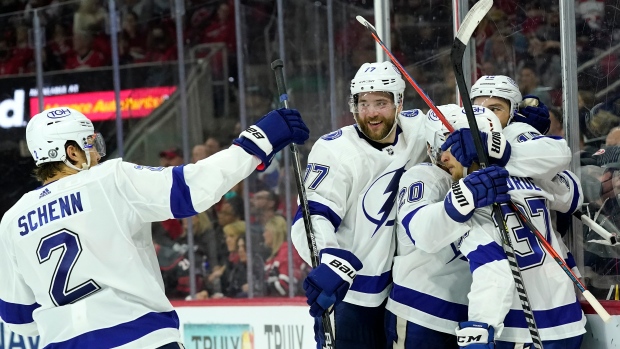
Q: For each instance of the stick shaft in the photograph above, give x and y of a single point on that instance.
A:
(278, 69)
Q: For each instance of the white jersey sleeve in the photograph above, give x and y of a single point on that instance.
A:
(420, 206)
(189, 189)
(534, 155)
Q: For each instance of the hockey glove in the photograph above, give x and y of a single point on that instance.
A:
(534, 113)
(328, 283)
(272, 133)
(475, 335)
(461, 145)
(479, 189)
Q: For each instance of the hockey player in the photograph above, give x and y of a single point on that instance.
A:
(351, 181)
(433, 231)
(77, 261)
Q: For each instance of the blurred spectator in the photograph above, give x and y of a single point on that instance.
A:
(22, 52)
(133, 35)
(544, 56)
(276, 266)
(8, 64)
(171, 157)
(143, 9)
(84, 55)
(159, 47)
(60, 45)
(212, 145)
(500, 53)
(557, 123)
(528, 84)
(199, 152)
(613, 137)
(264, 205)
(90, 18)
(225, 279)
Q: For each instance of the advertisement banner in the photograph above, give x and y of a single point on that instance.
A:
(101, 106)
(218, 336)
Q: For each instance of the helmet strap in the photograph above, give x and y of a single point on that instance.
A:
(85, 166)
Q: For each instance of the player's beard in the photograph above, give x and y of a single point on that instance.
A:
(379, 133)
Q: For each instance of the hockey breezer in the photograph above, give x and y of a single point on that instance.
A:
(278, 67)
(474, 16)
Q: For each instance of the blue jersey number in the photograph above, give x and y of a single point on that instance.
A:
(527, 248)
(321, 171)
(69, 247)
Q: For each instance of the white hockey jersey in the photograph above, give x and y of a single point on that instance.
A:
(77, 261)
(433, 289)
(351, 184)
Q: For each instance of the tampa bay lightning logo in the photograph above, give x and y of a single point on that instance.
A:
(378, 200)
(332, 135)
(410, 113)
(526, 136)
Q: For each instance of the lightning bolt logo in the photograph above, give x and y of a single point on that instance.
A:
(391, 190)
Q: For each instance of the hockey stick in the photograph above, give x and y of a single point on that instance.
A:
(609, 237)
(278, 66)
(469, 24)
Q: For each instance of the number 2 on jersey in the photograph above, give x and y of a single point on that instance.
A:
(70, 248)
(527, 248)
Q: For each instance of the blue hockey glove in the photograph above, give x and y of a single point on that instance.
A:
(478, 189)
(272, 133)
(533, 112)
(328, 283)
(475, 335)
(461, 145)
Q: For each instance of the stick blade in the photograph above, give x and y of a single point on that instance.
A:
(366, 24)
(473, 18)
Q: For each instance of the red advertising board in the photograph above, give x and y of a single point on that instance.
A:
(100, 106)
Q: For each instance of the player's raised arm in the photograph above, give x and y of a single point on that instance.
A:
(182, 191)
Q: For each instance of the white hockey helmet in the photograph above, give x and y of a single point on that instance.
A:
(48, 132)
(377, 77)
(498, 86)
(437, 132)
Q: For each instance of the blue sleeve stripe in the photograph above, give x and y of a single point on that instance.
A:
(485, 254)
(570, 260)
(575, 201)
(121, 334)
(372, 284)
(429, 304)
(407, 219)
(552, 137)
(318, 209)
(549, 318)
(18, 314)
(180, 198)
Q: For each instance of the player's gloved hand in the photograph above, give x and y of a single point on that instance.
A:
(461, 145)
(475, 335)
(478, 189)
(533, 112)
(328, 283)
(272, 133)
